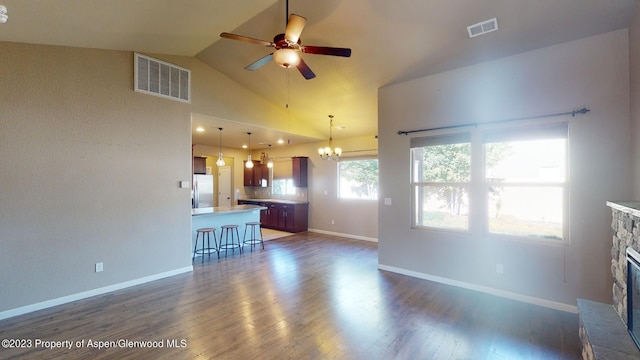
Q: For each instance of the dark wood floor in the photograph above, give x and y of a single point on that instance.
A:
(307, 296)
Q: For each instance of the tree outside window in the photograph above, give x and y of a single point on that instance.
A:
(520, 191)
(358, 179)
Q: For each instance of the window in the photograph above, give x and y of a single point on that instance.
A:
(441, 178)
(358, 179)
(525, 181)
(519, 190)
(283, 187)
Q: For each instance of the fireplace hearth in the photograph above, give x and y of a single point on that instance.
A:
(604, 329)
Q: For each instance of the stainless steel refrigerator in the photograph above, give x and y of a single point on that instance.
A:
(202, 191)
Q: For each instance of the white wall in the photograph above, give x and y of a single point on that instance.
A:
(90, 171)
(634, 60)
(591, 72)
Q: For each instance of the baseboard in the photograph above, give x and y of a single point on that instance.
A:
(357, 237)
(86, 294)
(488, 290)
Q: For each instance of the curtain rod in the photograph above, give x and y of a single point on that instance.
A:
(572, 113)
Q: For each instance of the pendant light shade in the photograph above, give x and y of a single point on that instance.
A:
(220, 161)
(269, 161)
(249, 163)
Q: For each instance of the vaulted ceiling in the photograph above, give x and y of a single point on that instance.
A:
(391, 41)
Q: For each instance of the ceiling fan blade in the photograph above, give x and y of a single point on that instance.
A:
(323, 50)
(259, 63)
(294, 27)
(246, 39)
(305, 70)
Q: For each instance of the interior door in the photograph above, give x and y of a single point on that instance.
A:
(224, 186)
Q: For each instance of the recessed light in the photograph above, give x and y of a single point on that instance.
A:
(244, 146)
(199, 129)
(280, 141)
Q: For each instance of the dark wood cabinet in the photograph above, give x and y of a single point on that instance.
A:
(300, 171)
(272, 216)
(248, 174)
(258, 175)
(286, 217)
(292, 217)
(199, 165)
(264, 214)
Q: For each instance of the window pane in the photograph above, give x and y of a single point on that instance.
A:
(442, 163)
(526, 211)
(526, 161)
(283, 187)
(358, 179)
(442, 207)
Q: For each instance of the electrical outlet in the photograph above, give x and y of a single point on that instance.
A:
(99, 267)
(333, 222)
(499, 269)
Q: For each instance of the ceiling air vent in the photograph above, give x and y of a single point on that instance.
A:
(159, 78)
(482, 28)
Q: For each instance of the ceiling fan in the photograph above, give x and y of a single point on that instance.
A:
(288, 47)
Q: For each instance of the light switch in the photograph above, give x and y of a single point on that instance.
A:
(184, 184)
(387, 201)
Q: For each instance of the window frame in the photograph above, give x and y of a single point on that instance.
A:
(478, 187)
(417, 186)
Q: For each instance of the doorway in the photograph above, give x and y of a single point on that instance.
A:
(224, 186)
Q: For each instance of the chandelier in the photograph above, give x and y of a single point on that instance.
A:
(329, 153)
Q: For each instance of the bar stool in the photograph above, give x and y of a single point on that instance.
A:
(228, 230)
(208, 249)
(253, 240)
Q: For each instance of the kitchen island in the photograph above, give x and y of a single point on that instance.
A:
(224, 215)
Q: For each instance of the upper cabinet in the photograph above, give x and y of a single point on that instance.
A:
(300, 171)
(258, 175)
(199, 165)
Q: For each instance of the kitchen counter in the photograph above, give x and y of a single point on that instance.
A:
(215, 217)
(225, 209)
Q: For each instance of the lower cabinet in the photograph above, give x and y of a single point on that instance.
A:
(280, 216)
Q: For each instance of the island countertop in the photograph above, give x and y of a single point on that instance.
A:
(225, 209)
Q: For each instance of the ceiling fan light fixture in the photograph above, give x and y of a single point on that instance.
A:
(286, 57)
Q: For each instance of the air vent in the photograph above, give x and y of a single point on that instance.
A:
(159, 78)
(482, 28)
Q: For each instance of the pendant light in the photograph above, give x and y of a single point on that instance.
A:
(329, 153)
(220, 161)
(269, 161)
(249, 163)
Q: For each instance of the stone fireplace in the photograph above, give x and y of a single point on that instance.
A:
(626, 233)
(603, 327)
